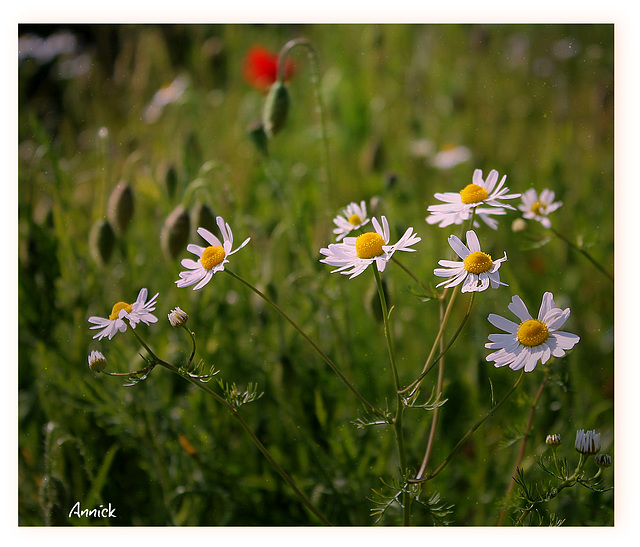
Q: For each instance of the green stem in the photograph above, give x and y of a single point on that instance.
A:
(234, 412)
(464, 439)
(397, 422)
(584, 253)
(532, 410)
(313, 56)
(315, 346)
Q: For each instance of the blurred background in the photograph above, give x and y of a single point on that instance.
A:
(132, 136)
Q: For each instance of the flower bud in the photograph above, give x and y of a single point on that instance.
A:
(276, 109)
(120, 207)
(177, 317)
(587, 442)
(203, 216)
(175, 232)
(554, 440)
(603, 460)
(97, 361)
(171, 180)
(258, 136)
(102, 240)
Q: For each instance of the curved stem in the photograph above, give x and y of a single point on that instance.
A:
(315, 346)
(313, 56)
(464, 439)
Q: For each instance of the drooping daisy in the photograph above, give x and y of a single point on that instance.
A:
(477, 269)
(355, 254)
(211, 259)
(355, 216)
(177, 317)
(587, 442)
(483, 196)
(97, 361)
(139, 311)
(532, 340)
(537, 208)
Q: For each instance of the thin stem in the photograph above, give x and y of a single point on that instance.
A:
(397, 422)
(584, 253)
(436, 412)
(315, 346)
(468, 434)
(415, 385)
(532, 410)
(313, 56)
(234, 412)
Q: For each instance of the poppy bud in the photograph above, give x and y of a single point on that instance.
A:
(276, 109)
(175, 232)
(102, 240)
(120, 208)
(203, 216)
(259, 137)
(171, 181)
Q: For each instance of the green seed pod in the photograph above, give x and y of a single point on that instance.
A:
(175, 232)
(120, 207)
(203, 217)
(276, 109)
(102, 240)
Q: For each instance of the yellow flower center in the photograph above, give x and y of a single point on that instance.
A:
(532, 333)
(473, 193)
(354, 219)
(537, 208)
(478, 262)
(369, 245)
(212, 256)
(116, 310)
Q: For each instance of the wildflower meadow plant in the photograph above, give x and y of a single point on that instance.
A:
(411, 393)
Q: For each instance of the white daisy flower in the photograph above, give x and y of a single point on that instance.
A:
(537, 208)
(355, 254)
(587, 442)
(483, 196)
(531, 340)
(477, 269)
(139, 311)
(355, 216)
(211, 259)
(450, 155)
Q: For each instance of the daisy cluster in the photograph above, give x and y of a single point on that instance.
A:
(522, 344)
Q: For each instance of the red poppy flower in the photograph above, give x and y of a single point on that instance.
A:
(261, 68)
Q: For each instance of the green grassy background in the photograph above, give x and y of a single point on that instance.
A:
(534, 102)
